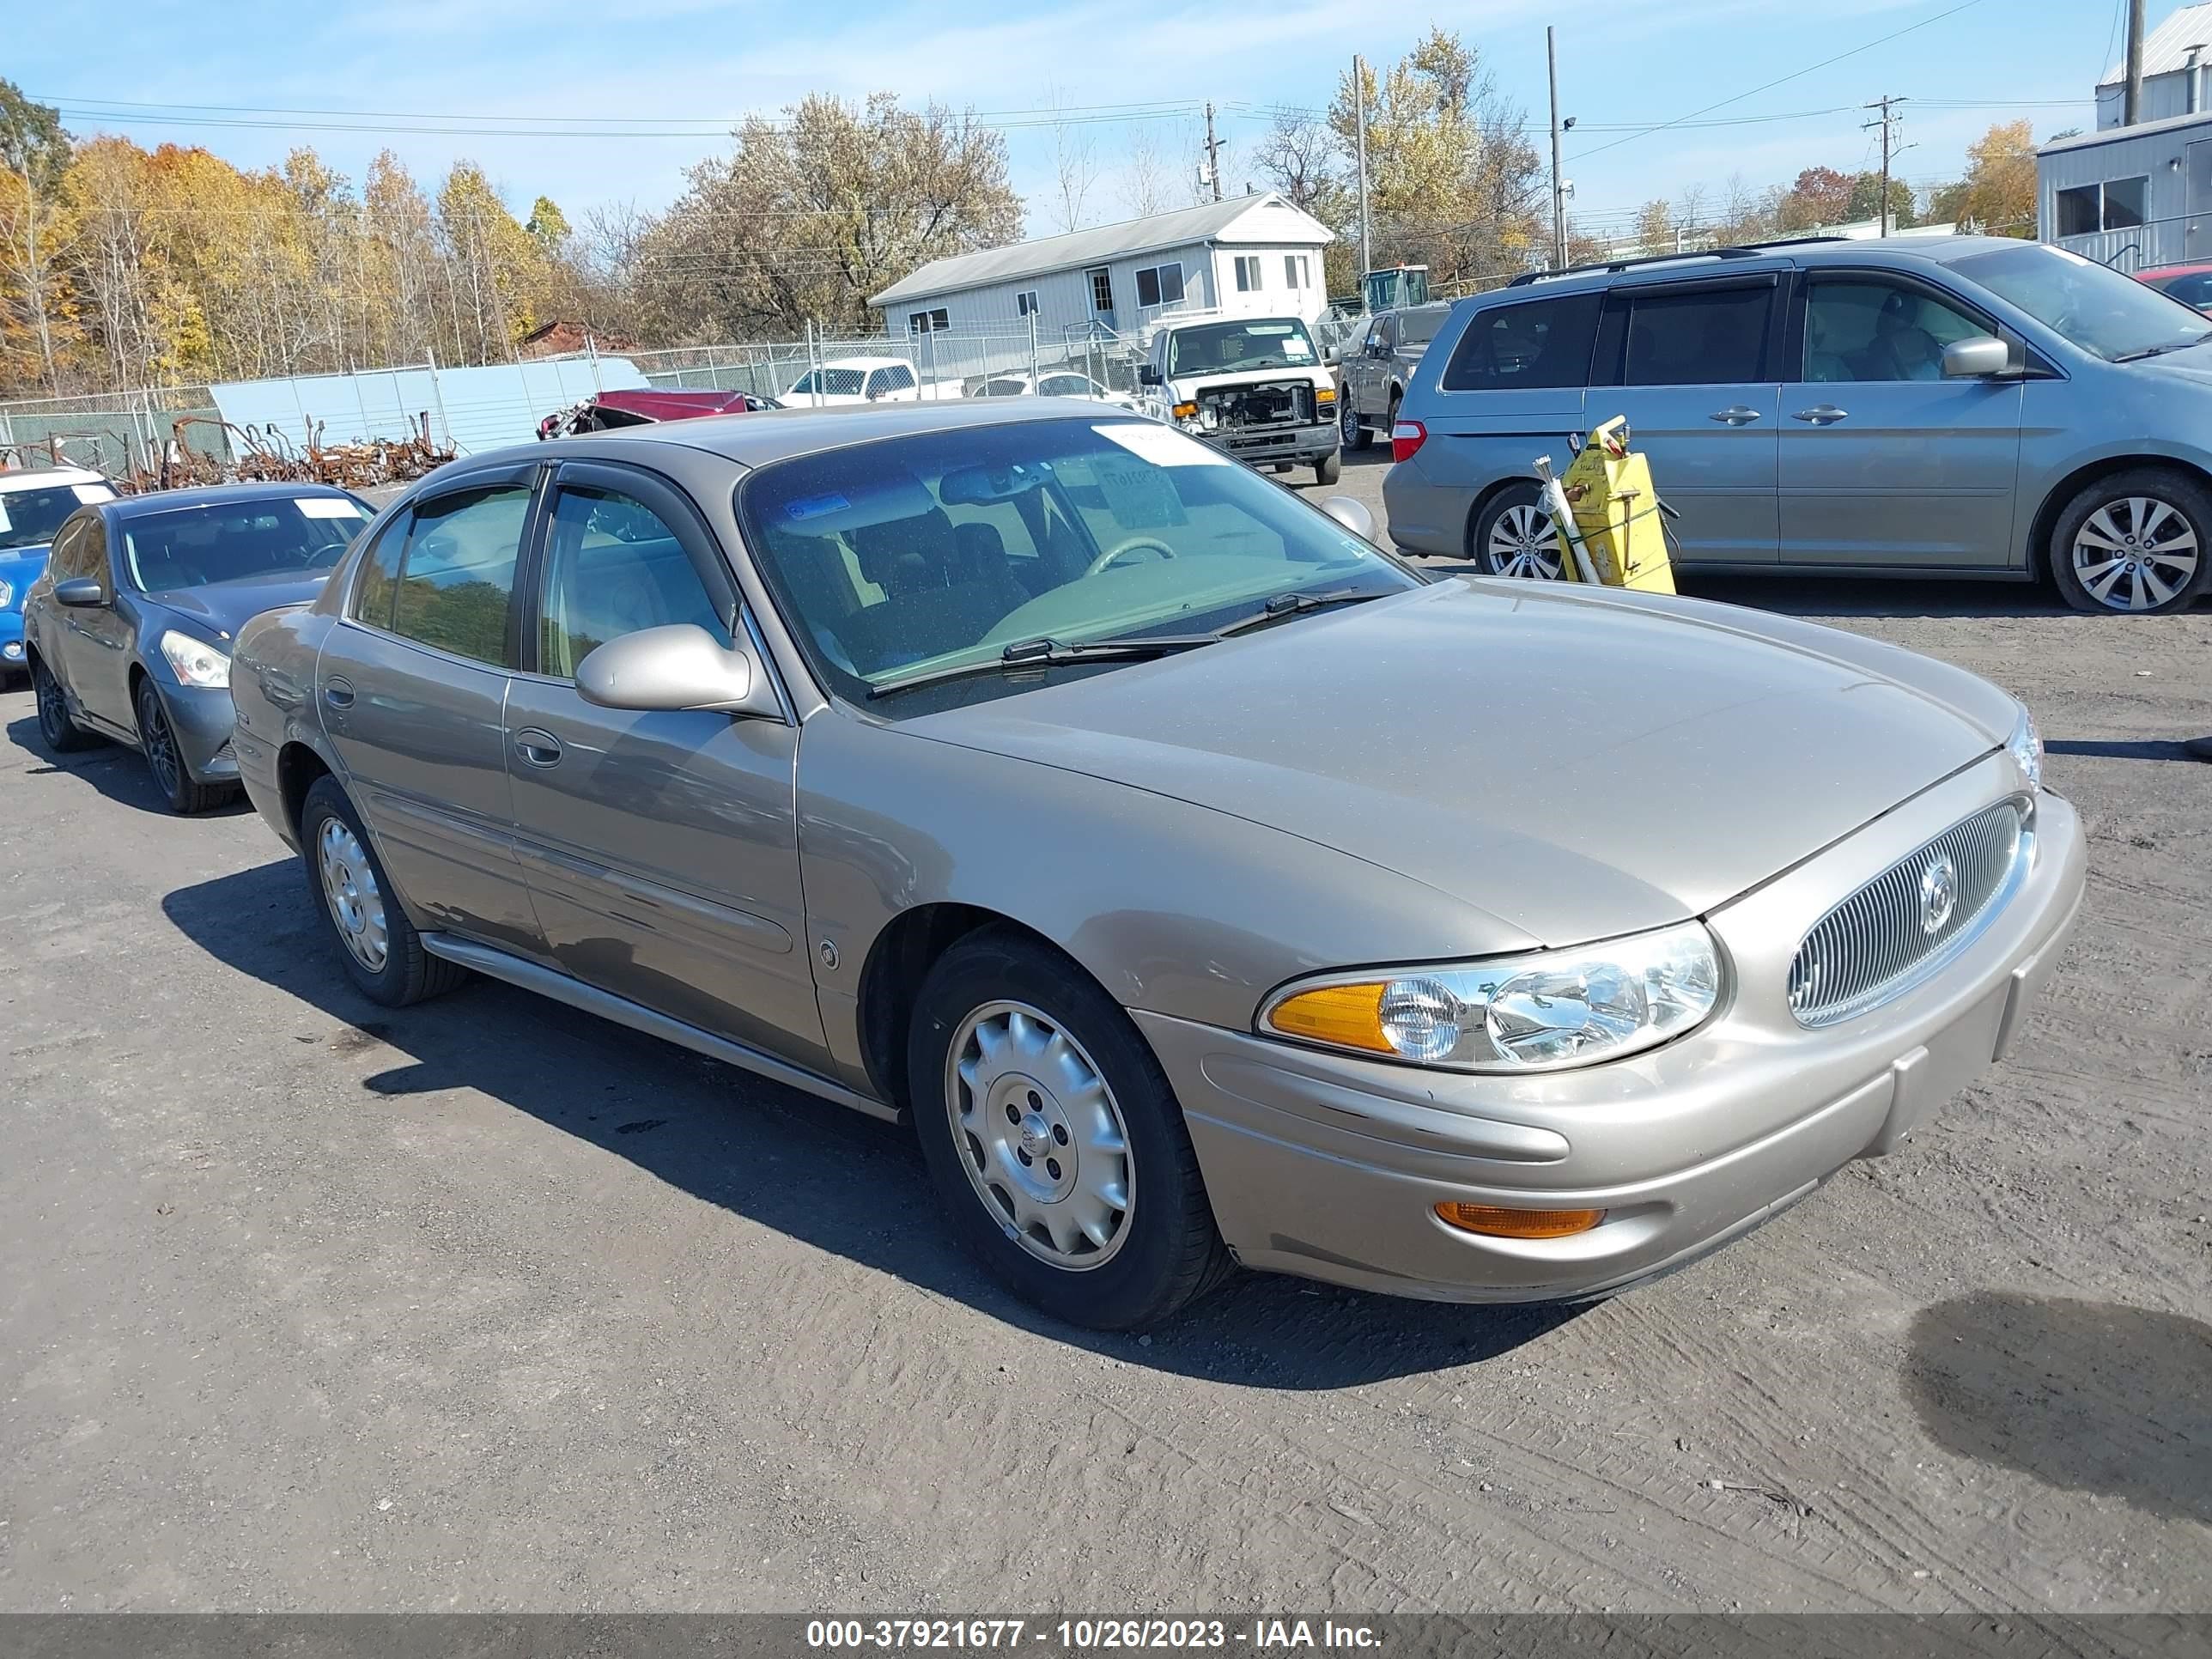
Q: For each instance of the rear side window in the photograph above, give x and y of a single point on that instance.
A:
(1697, 337)
(1538, 342)
(457, 572)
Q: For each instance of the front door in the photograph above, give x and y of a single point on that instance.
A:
(663, 846)
(412, 691)
(1885, 462)
(1692, 379)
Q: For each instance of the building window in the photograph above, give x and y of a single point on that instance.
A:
(1247, 273)
(1101, 289)
(1025, 303)
(1294, 270)
(927, 322)
(1159, 285)
(2115, 204)
(2127, 202)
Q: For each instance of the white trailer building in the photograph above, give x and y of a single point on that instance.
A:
(1247, 256)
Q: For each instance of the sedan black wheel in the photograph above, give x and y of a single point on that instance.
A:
(1055, 1140)
(1514, 537)
(2138, 542)
(60, 731)
(158, 739)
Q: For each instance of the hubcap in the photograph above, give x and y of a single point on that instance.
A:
(2135, 553)
(1522, 544)
(350, 886)
(1347, 420)
(1042, 1139)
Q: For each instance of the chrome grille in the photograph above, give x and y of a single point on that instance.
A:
(1908, 920)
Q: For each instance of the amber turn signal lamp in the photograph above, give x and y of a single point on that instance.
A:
(1495, 1223)
(1348, 1015)
(1186, 411)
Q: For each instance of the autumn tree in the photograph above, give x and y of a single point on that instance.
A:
(1866, 198)
(1998, 192)
(37, 310)
(813, 213)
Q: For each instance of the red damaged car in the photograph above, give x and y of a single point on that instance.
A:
(606, 410)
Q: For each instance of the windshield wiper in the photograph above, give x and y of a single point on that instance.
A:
(1284, 606)
(2204, 338)
(1045, 652)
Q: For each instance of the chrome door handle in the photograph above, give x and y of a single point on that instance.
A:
(537, 747)
(1820, 415)
(1735, 414)
(337, 694)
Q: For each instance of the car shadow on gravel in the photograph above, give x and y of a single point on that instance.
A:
(2084, 1396)
(832, 1178)
(117, 772)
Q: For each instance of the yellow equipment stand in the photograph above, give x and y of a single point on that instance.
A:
(1616, 514)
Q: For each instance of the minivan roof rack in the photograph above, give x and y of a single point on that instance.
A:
(1745, 251)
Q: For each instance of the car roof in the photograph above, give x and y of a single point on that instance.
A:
(162, 501)
(2196, 269)
(1754, 258)
(46, 477)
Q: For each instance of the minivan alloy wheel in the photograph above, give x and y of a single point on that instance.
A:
(2135, 553)
(1044, 1142)
(1522, 543)
(349, 887)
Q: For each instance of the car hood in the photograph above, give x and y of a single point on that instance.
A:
(226, 606)
(1576, 764)
(19, 567)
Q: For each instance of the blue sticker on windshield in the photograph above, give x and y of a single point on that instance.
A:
(813, 507)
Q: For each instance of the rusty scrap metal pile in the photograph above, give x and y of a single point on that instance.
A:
(266, 454)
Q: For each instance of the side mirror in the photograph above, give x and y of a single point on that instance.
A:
(84, 592)
(1148, 375)
(1977, 357)
(1352, 513)
(680, 666)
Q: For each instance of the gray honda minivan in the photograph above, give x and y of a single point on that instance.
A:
(1917, 405)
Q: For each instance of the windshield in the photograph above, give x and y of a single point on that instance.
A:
(912, 554)
(29, 518)
(193, 546)
(1225, 348)
(832, 382)
(2116, 317)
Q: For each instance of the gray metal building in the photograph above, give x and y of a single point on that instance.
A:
(2177, 72)
(2131, 197)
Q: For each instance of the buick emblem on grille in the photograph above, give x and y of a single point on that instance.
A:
(1939, 893)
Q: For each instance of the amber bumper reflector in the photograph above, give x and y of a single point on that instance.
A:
(1488, 1218)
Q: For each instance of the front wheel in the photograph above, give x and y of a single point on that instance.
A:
(158, 739)
(1055, 1140)
(1514, 537)
(2137, 542)
(60, 733)
(1349, 427)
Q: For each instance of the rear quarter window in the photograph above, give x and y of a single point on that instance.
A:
(1533, 342)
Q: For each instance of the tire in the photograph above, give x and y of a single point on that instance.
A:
(157, 741)
(404, 972)
(2097, 547)
(1330, 468)
(1513, 536)
(1352, 431)
(62, 734)
(1022, 1017)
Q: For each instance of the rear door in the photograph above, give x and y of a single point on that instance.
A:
(662, 848)
(412, 691)
(1883, 461)
(1693, 365)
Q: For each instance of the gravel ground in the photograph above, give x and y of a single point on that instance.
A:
(485, 1305)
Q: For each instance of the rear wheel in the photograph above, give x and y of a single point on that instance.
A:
(1330, 467)
(2138, 542)
(61, 733)
(158, 739)
(380, 949)
(1513, 536)
(1055, 1140)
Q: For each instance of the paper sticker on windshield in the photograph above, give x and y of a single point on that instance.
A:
(1149, 441)
(1295, 347)
(325, 506)
(4, 525)
(813, 507)
(88, 494)
(1139, 497)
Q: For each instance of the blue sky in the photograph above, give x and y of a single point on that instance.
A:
(500, 73)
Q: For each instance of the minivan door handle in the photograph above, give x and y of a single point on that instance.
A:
(537, 747)
(1735, 414)
(1820, 415)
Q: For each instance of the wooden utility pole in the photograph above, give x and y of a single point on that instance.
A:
(1887, 122)
(1212, 155)
(1359, 120)
(1558, 186)
(2131, 99)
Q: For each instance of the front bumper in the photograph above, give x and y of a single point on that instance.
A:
(12, 659)
(1329, 1167)
(203, 720)
(1297, 443)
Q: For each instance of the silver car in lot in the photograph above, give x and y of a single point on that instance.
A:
(1203, 885)
(1924, 405)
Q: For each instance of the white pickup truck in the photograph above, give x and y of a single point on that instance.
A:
(1253, 387)
(864, 380)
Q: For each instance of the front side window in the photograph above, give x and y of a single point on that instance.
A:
(1536, 342)
(830, 382)
(31, 517)
(1227, 348)
(898, 558)
(188, 547)
(457, 572)
(612, 567)
(1864, 328)
(2100, 311)
(71, 554)
(1697, 337)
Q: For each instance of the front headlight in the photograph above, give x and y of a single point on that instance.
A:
(1537, 1013)
(195, 662)
(2025, 748)
(7, 593)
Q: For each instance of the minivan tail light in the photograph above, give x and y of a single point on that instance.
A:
(1406, 437)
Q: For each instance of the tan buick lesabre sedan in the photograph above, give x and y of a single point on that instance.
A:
(1205, 886)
